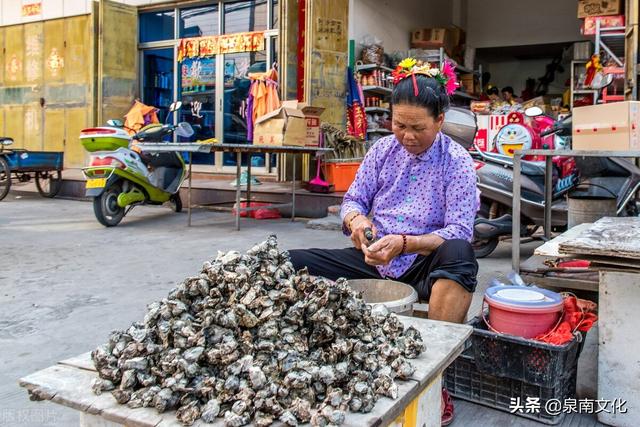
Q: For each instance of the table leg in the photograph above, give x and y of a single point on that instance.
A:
(293, 189)
(189, 192)
(238, 188)
(515, 231)
(548, 196)
(249, 180)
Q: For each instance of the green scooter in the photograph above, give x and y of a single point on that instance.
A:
(119, 178)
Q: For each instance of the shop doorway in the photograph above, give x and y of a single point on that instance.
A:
(213, 89)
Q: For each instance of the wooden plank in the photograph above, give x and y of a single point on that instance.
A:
(69, 382)
(619, 349)
(556, 283)
(552, 247)
(444, 342)
(610, 236)
(82, 361)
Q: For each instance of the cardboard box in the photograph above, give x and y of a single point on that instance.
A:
(611, 126)
(285, 126)
(468, 81)
(599, 7)
(434, 38)
(488, 127)
(312, 115)
(588, 27)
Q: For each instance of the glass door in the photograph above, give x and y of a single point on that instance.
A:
(157, 79)
(197, 91)
(237, 67)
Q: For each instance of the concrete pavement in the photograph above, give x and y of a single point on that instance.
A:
(66, 281)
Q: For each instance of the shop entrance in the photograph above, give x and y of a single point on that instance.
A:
(214, 88)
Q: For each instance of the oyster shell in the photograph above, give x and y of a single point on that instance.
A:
(250, 340)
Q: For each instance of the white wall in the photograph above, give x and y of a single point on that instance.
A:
(495, 23)
(393, 20)
(11, 10)
(514, 73)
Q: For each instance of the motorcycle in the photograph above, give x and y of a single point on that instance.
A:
(616, 177)
(119, 178)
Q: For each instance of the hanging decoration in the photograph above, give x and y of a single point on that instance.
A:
(200, 47)
(356, 116)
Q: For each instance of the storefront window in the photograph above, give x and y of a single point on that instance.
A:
(156, 26)
(197, 86)
(237, 67)
(242, 16)
(199, 21)
(275, 14)
(157, 79)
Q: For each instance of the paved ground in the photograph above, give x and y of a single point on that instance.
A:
(66, 281)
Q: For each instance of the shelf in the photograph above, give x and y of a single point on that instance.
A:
(463, 69)
(585, 91)
(464, 95)
(193, 93)
(370, 67)
(376, 110)
(381, 130)
(377, 90)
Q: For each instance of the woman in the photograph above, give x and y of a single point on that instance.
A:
(419, 187)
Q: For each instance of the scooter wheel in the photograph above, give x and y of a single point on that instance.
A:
(106, 209)
(484, 248)
(176, 202)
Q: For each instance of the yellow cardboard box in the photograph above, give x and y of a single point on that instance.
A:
(599, 7)
(607, 127)
(285, 126)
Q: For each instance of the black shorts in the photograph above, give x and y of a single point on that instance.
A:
(454, 260)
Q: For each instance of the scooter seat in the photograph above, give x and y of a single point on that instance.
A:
(527, 167)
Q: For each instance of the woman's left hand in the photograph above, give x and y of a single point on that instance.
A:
(383, 251)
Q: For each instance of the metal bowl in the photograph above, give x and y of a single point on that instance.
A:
(396, 296)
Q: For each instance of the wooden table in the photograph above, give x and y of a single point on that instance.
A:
(418, 404)
(238, 149)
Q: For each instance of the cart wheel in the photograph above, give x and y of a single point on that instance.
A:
(48, 183)
(106, 208)
(176, 202)
(5, 178)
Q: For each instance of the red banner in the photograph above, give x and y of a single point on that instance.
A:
(200, 47)
(302, 21)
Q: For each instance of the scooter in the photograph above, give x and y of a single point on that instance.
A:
(119, 178)
(616, 177)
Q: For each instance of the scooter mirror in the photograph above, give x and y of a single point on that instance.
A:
(533, 112)
(601, 81)
(184, 130)
(115, 123)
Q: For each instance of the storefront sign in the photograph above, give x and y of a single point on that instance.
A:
(31, 8)
(199, 47)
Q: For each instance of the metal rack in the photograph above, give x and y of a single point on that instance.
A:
(574, 66)
(611, 41)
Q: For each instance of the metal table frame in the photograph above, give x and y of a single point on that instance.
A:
(239, 149)
(548, 189)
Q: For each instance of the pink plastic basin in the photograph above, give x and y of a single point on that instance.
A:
(524, 312)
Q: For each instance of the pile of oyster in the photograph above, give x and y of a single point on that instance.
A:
(252, 341)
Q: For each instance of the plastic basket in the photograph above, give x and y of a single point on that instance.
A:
(522, 359)
(465, 381)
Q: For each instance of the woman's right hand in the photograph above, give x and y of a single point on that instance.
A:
(358, 227)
